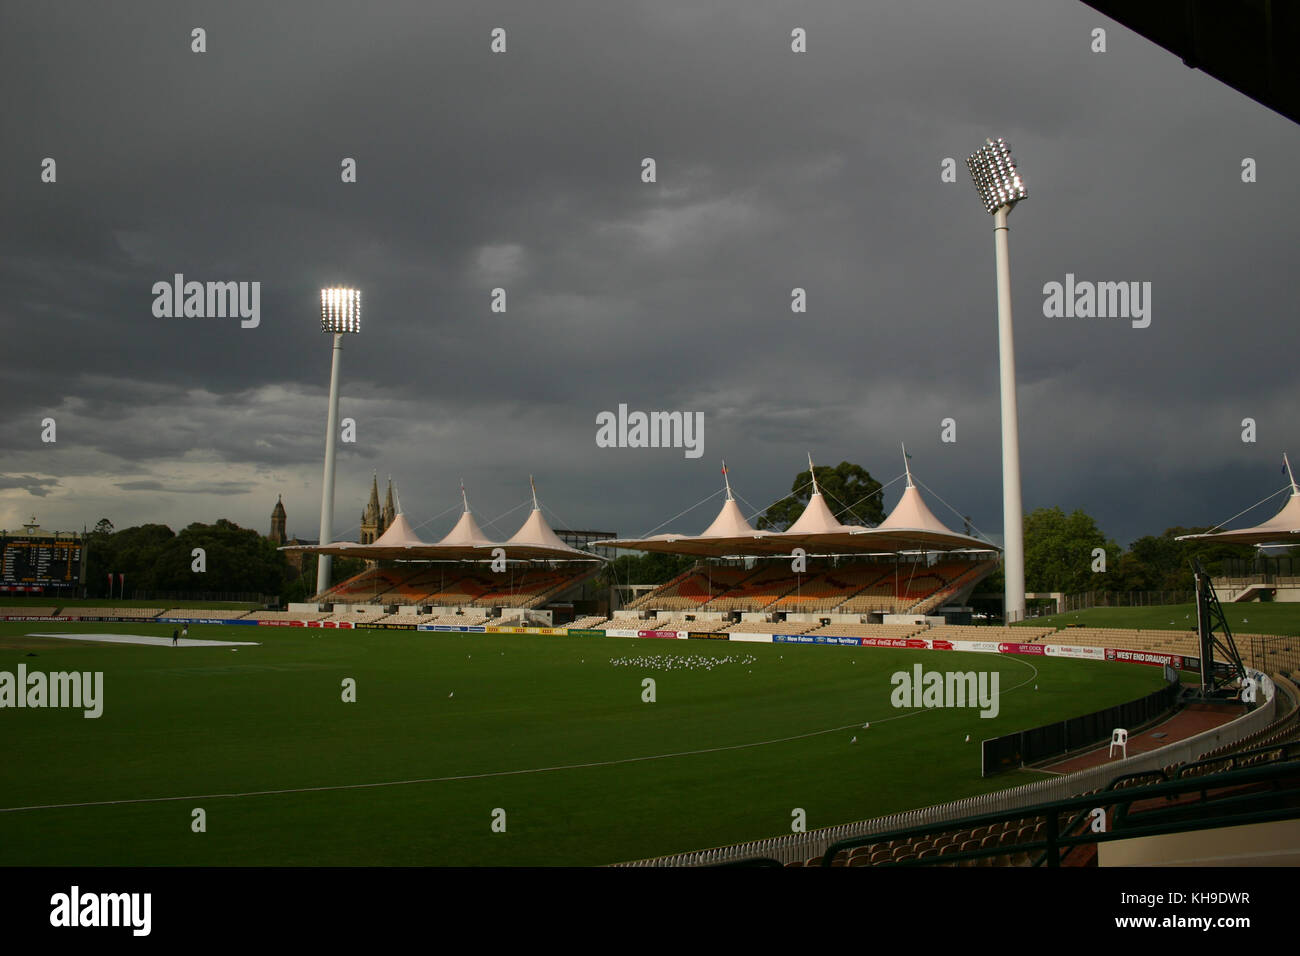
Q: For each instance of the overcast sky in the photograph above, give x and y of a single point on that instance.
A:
(775, 170)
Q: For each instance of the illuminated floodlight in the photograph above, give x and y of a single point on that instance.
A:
(997, 180)
(340, 310)
(1000, 187)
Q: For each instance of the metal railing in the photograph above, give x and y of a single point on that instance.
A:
(1252, 803)
(1086, 599)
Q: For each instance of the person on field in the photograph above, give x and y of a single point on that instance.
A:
(174, 634)
(185, 630)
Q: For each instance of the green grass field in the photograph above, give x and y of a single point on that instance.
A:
(723, 755)
(1246, 618)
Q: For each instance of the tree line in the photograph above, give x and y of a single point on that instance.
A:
(154, 558)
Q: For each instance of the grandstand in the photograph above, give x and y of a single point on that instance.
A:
(873, 631)
(27, 610)
(695, 588)
(134, 613)
(762, 627)
(756, 593)
(215, 613)
(1012, 635)
(287, 615)
(911, 564)
(458, 585)
(851, 589)
(419, 579)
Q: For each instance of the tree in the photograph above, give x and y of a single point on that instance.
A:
(652, 567)
(103, 527)
(131, 551)
(845, 485)
(1161, 563)
(301, 585)
(1059, 551)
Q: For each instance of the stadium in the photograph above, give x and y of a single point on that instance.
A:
(605, 251)
(455, 678)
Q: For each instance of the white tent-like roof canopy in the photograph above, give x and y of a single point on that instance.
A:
(1282, 528)
(911, 526)
(534, 541)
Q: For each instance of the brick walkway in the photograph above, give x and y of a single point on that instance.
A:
(1188, 722)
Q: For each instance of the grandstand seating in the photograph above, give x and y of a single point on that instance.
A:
(967, 632)
(456, 586)
(1270, 652)
(460, 589)
(228, 614)
(693, 588)
(828, 589)
(1155, 641)
(367, 616)
(408, 617)
(765, 627)
(366, 587)
(1266, 651)
(135, 613)
(757, 591)
(677, 622)
(23, 610)
(529, 588)
(413, 585)
(887, 631)
(956, 575)
(590, 621)
(288, 615)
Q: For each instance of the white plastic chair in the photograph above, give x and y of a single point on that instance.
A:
(1118, 738)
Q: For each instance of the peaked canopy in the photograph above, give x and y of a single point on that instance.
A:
(1282, 528)
(730, 523)
(911, 526)
(534, 541)
(466, 534)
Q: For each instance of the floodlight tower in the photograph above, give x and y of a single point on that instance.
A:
(999, 184)
(340, 312)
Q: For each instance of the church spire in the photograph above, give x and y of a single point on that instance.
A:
(389, 511)
(278, 521)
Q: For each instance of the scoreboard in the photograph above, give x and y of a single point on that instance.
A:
(38, 562)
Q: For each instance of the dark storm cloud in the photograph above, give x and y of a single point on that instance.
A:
(213, 488)
(38, 487)
(522, 171)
